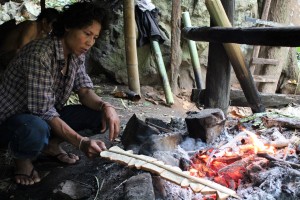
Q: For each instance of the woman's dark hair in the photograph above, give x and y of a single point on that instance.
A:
(50, 14)
(77, 16)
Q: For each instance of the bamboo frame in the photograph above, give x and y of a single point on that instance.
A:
(236, 57)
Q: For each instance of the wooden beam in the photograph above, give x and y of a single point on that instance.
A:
(237, 98)
(264, 61)
(264, 36)
(264, 79)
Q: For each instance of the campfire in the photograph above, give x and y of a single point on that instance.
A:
(228, 164)
(251, 163)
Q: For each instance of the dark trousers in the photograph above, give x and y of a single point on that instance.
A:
(26, 134)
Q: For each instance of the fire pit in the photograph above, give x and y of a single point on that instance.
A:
(240, 162)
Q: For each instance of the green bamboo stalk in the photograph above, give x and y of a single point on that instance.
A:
(193, 52)
(163, 72)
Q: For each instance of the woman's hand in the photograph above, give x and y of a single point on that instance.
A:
(110, 118)
(91, 148)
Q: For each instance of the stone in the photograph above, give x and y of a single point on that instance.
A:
(139, 187)
(72, 190)
(206, 124)
(136, 133)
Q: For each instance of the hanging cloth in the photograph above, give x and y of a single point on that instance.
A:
(147, 24)
(145, 5)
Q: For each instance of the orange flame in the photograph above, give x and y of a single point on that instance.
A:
(225, 166)
(258, 145)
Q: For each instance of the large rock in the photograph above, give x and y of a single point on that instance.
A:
(108, 54)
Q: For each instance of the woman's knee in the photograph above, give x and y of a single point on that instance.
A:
(32, 133)
(39, 128)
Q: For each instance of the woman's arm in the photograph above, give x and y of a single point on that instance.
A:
(90, 147)
(90, 99)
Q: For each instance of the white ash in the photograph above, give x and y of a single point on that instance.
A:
(174, 191)
(178, 123)
(274, 183)
(191, 144)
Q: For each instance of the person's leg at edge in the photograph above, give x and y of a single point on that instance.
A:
(26, 135)
(78, 117)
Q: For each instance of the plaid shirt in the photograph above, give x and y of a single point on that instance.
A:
(33, 82)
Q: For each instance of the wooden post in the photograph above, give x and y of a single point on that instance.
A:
(219, 70)
(236, 57)
(193, 52)
(130, 46)
(43, 5)
(176, 51)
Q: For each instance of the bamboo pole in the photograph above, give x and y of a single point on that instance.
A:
(163, 72)
(236, 57)
(193, 52)
(131, 47)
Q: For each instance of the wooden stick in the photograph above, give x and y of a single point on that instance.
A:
(269, 157)
(282, 122)
(208, 183)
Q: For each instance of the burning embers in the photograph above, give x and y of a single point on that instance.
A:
(228, 164)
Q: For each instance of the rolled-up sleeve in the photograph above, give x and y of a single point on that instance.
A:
(41, 98)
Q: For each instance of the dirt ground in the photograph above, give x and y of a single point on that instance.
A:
(88, 174)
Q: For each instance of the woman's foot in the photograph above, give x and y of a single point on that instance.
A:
(55, 151)
(25, 174)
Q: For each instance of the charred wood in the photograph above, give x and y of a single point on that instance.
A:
(271, 158)
(206, 124)
(282, 122)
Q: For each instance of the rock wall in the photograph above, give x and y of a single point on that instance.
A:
(108, 55)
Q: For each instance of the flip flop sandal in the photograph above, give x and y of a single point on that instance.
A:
(56, 158)
(26, 176)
